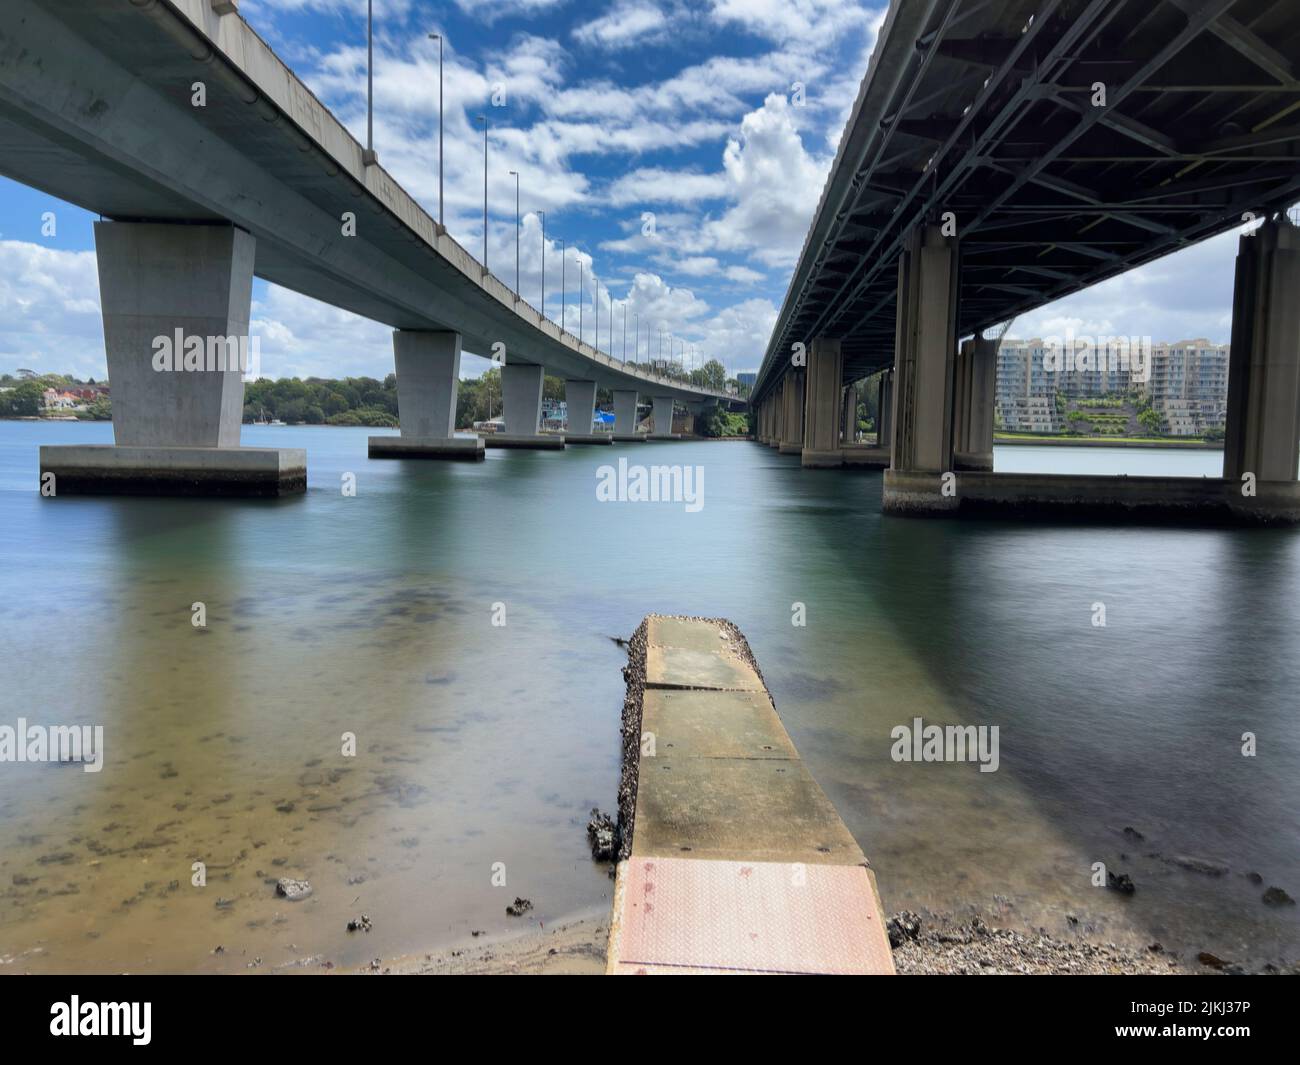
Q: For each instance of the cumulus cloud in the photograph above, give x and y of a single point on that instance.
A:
(773, 184)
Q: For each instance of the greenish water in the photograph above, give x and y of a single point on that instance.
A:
(480, 744)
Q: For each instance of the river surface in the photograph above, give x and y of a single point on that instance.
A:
(481, 747)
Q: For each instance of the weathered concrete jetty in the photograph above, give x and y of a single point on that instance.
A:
(732, 858)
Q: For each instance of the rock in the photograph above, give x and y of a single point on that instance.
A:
(1212, 960)
(902, 927)
(1275, 896)
(293, 890)
(360, 924)
(1122, 883)
(602, 836)
(1133, 833)
(1206, 866)
(519, 907)
(1254, 878)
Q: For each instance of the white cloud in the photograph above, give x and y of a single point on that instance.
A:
(630, 23)
(789, 22)
(491, 10)
(654, 185)
(49, 310)
(774, 186)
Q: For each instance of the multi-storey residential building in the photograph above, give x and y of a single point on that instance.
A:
(1189, 385)
(1025, 393)
(1187, 382)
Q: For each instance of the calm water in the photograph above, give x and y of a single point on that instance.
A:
(480, 744)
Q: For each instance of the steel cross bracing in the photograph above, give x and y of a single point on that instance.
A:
(990, 111)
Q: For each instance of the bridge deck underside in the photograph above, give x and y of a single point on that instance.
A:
(999, 117)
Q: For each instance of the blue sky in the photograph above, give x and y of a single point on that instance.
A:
(610, 113)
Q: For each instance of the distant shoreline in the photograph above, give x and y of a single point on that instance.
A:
(1093, 441)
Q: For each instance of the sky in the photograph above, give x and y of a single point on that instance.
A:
(678, 149)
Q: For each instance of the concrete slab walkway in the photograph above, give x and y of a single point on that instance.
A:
(738, 862)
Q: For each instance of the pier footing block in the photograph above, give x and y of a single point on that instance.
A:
(107, 469)
(1081, 498)
(524, 441)
(467, 448)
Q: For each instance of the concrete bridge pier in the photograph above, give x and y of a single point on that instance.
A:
(175, 301)
(662, 417)
(580, 401)
(625, 430)
(823, 407)
(972, 412)
(885, 410)
(428, 381)
(924, 353)
(849, 416)
(777, 400)
(521, 401)
(792, 402)
(1262, 435)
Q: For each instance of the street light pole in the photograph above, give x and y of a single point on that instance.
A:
(625, 330)
(579, 258)
(636, 343)
(369, 158)
(542, 216)
(564, 263)
(438, 37)
(515, 175)
(483, 119)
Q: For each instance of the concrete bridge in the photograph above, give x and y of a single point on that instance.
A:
(1002, 155)
(98, 107)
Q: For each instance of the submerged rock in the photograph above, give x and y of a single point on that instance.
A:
(1122, 883)
(1207, 866)
(1275, 896)
(602, 835)
(360, 924)
(293, 890)
(519, 907)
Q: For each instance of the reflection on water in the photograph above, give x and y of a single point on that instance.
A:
(478, 744)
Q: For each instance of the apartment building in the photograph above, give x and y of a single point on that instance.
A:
(1186, 381)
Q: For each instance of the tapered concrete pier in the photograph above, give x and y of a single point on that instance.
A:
(428, 381)
(175, 301)
(662, 416)
(521, 398)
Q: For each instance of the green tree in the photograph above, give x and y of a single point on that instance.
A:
(22, 401)
(1151, 421)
